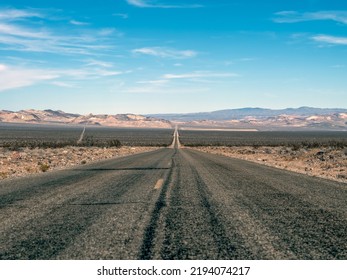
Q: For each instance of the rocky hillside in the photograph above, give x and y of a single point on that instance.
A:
(335, 121)
(246, 118)
(265, 119)
(257, 113)
(60, 117)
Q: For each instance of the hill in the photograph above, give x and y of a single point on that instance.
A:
(60, 117)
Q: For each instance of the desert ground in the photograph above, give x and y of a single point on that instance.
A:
(328, 163)
(28, 161)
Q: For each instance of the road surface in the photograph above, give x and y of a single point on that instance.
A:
(173, 204)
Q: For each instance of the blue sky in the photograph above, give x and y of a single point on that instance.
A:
(165, 56)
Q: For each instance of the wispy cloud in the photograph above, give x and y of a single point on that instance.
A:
(94, 62)
(63, 84)
(150, 86)
(17, 38)
(109, 31)
(15, 77)
(164, 89)
(330, 39)
(123, 16)
(293, 16)
(155, 4)
(80, 23)
(169, 83)
(154, 82)
(15, 14)
(166, 53)
(85, 73)
(194, 75)
(17, 33)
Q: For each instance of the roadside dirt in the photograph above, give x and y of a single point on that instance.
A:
(27, 161)
(325, 163)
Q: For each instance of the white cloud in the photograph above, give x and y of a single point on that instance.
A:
(15, 31)
(155, 4)
(107, 31)
(154, 89)
(63, 84)
(153, 82)
(194, 75)
(138, 3)
(3, 67)
(330, 39)
(104, 73)
(86, 73)
(94, 62)
(293, 16)
(167, 85)
(123, 16)
(16, 77)
(18, 38)
(23, 36)
(166, 53)
(14, 14)
(80, 23)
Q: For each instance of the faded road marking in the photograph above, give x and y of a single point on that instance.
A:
(159, 184)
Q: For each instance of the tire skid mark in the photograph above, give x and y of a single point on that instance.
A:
(147, 247)
(206, 223)
(254, 234)
(132, 241)
(169, 241)
(227, 248)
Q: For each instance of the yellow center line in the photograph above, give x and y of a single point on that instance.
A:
(159, 184)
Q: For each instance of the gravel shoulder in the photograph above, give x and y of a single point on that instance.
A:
(325, 163)
(30, 161)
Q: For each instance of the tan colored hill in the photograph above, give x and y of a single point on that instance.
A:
(302, 118)
(60, 117)
(337, 121)
(260, 119)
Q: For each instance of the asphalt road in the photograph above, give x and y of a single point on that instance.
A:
(173, 204)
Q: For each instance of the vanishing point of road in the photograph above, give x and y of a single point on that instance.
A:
(173, 203)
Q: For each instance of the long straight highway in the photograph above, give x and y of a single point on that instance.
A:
(173, 203)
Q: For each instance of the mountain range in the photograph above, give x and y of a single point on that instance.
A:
(238, 114)
(60, 117)
(244, 118)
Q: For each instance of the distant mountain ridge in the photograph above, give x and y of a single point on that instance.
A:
(237, 114)
(60, 117)
(245, 118)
